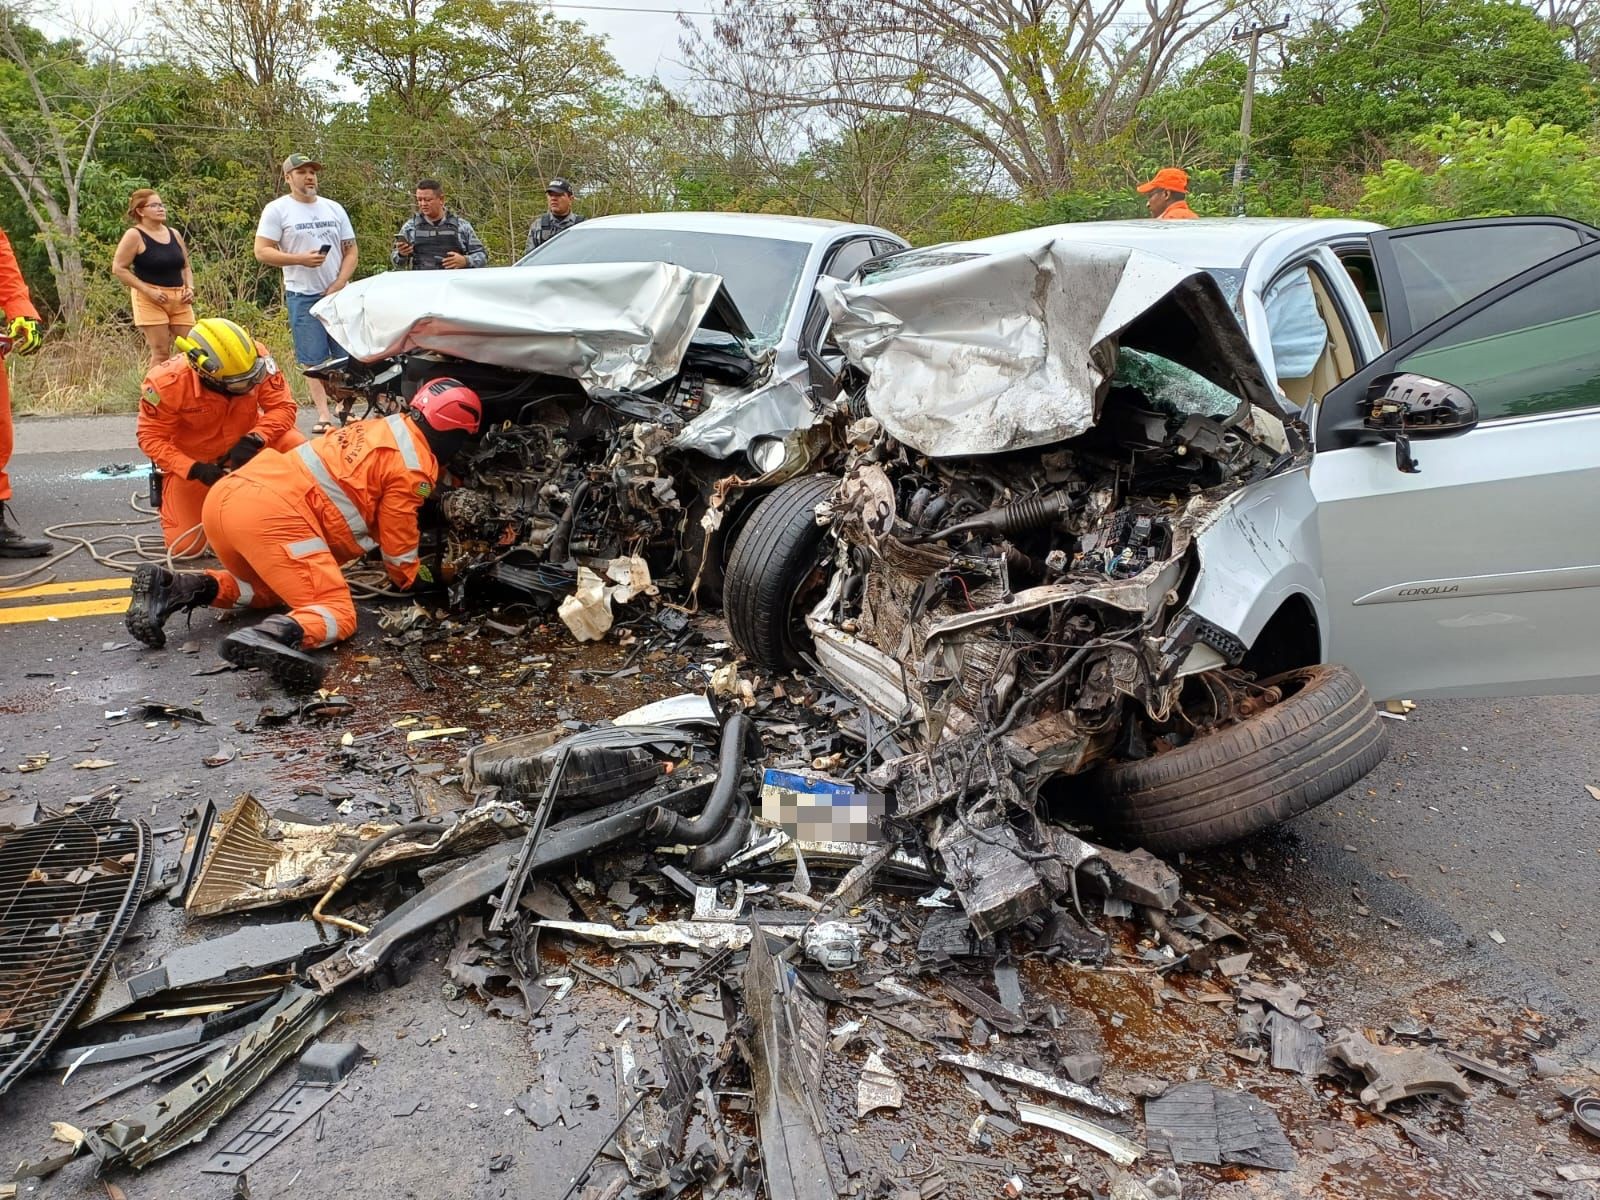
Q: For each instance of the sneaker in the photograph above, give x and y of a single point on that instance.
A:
(274, 646)
(157, 594)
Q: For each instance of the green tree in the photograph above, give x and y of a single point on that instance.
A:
(1360, 91)
(1486, 169)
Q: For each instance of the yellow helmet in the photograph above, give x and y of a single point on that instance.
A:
(224, 355)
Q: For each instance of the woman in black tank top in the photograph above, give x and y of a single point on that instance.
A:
(153, 261)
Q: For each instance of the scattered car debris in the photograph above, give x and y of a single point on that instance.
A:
(1121, 1150)
(1397, 1073)
(879, 1087)
(322, 1069)
(69, 888)
(1201, 1123)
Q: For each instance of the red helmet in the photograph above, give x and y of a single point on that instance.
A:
(447, 404)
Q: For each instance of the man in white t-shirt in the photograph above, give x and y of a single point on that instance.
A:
(312, 239)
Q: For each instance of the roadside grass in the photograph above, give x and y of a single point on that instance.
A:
(99, 368)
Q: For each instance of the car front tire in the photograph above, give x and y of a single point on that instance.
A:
(1322, 737)
(774, 572)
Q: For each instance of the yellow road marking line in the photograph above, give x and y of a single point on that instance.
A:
(75, 608)
(119, 583)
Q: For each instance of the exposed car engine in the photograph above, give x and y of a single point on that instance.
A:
(1035, 587)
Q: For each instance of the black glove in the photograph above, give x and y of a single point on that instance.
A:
(206, 473)
(244, 450)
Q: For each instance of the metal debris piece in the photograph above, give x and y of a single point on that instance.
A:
(258, 860)
(1586, 1114)
(1295, 1046)
(480, 876)
(878, 1088)
(58, 936)
(251, 950)
(1039, 1081)
(322, 1070)
(1288, 999)
(189, 1111)
(1199, 1123)
(788, 1035)
(1485, 1070)
(1234, 964)
(1120, 1149)
(997, 886)
(171, 1064)
(1395, 1073)
(833, 945)
(191, 1033)
(153, 708)
(1164, 1185)
(224, 754)
(980, 1004)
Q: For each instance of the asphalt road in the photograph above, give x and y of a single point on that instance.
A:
(1477, 827)
(1480, 809)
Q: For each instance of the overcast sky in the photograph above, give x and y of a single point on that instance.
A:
(641, 34)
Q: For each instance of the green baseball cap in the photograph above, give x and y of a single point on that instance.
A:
(295, 161)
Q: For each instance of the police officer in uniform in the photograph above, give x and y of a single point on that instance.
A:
(437, 238)
(560, 217)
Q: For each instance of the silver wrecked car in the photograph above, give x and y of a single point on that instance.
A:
(1161, 508)
(628, 366)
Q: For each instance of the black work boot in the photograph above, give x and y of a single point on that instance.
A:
(16, 544)
(158, 593)
(274, 646)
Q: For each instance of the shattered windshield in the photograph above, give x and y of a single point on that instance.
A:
(1172, 387)
(761, 274)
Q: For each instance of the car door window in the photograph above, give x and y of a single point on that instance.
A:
(1438, 269)
(1534, 351)
(847, 259)
(1312, 349)
(1298, 333)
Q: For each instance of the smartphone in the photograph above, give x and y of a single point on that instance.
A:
(325, 247)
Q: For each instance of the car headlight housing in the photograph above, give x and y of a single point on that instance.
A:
(767, 454)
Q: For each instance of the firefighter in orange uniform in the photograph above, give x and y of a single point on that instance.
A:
(283, 524)
(206, 411)
(19, 334)
(1166, 195)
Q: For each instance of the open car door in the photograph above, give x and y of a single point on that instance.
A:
(1457, 480)
(1426, 272)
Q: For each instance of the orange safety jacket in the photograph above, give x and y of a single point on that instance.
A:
(14, 299)
(362, 485)
(181, 421)
(1178, 210)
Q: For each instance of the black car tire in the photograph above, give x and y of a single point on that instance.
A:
(1321, 738)
(772, 572)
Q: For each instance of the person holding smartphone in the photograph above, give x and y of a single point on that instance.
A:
(311, 238)
(436, 237)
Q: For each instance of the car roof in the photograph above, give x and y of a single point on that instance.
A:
(1207, 242)
(809, 230)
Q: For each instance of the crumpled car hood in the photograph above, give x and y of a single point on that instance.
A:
(1011, 350)
(615, 325)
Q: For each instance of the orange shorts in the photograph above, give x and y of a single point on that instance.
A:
(174, 312)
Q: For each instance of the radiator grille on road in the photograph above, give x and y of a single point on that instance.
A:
(68, 890)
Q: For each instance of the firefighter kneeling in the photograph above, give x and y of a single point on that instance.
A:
(283, 523)
(210, 409)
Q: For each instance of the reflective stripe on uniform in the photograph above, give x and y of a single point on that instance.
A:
(337, 496)
(402, 439)
(246, 592)
(305, 546)
(400, 560)
(330, 624)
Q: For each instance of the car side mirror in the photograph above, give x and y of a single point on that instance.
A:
(1407, 405)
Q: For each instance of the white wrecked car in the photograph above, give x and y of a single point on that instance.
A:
(1084, 532)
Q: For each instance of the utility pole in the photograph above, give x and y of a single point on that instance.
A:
(1253, 35)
